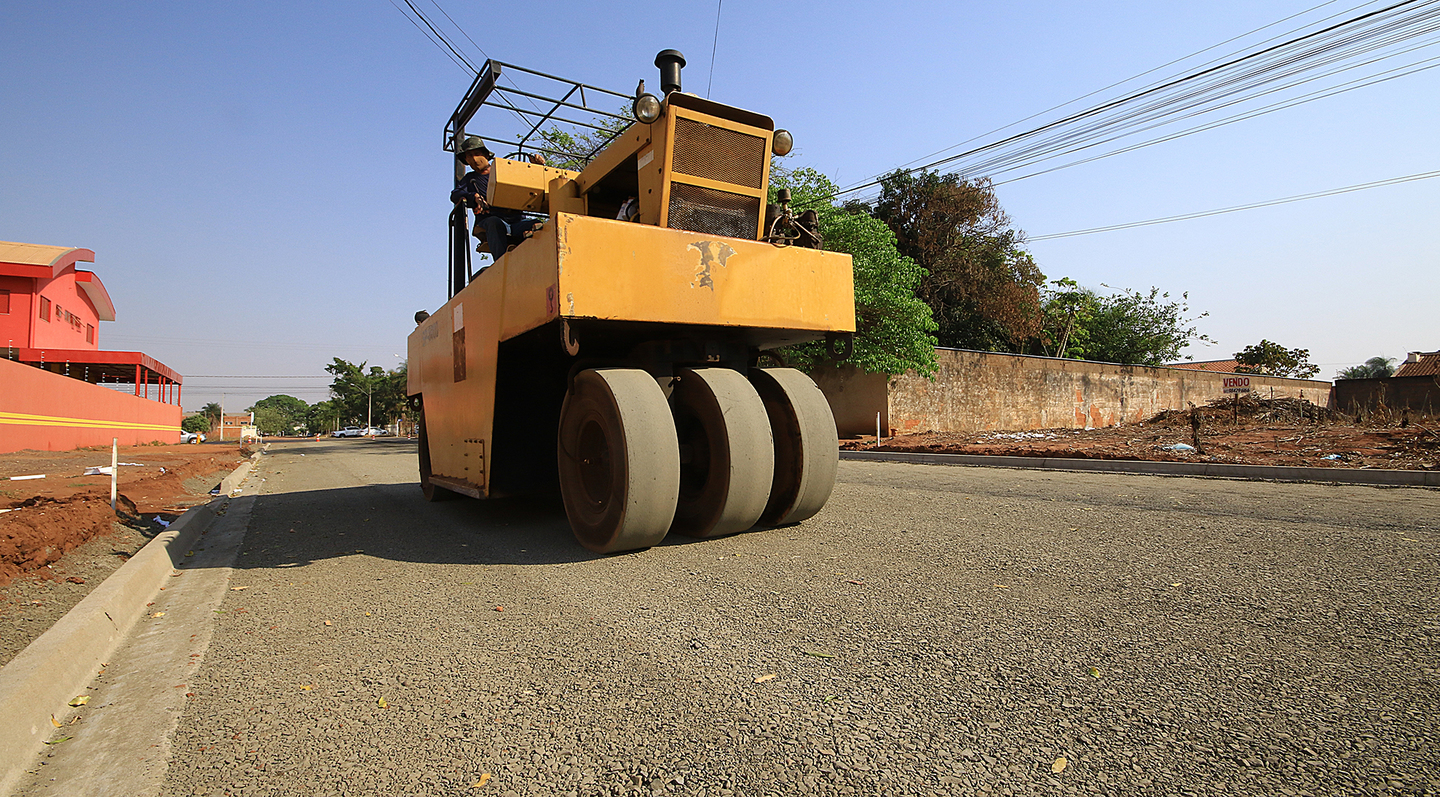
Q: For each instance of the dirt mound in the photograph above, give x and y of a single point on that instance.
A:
(1253, 409)
(54, 515)
(41, 530)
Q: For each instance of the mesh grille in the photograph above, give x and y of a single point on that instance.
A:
(715, 212)
(718, 154)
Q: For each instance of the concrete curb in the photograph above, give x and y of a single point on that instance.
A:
(1375, 477)
(43, 677)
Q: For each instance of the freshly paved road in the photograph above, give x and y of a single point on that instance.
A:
(936, 630)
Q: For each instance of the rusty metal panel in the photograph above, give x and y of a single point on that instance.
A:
(622, 271)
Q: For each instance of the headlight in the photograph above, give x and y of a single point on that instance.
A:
(782, 143)
(646, 108)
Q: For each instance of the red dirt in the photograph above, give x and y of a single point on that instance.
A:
(54, 515)
(1253, 431)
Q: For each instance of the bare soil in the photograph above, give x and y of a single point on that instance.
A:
(1251, 431)
(61, 539)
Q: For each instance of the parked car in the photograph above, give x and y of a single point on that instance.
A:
(192, 437)
(349, 431)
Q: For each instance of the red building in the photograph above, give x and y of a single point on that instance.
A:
(50, 314)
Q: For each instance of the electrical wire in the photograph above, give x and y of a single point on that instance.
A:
(1203, 90)
(1218, 211)
(1130, 79)
(714, 45)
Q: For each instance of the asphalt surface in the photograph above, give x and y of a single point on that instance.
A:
(935, 630)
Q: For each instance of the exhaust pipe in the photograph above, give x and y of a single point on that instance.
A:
(670, 63)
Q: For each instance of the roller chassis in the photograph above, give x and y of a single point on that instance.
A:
(620, 360)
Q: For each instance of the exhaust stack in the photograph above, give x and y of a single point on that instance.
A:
(670, 63)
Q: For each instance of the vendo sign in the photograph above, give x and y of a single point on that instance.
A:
(1237, 384)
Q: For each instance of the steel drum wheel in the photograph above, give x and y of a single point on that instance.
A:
(727, 459)
(619, 460)
(807, 447)
(431, 491)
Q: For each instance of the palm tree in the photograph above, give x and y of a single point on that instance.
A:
(1373, 368)
(212, 411)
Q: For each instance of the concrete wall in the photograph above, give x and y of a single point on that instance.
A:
(50, 412)
(1419, 394)
(976, 391)
(854, 397)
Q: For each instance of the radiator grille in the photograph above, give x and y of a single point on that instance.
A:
(718, 154)
(715, 212)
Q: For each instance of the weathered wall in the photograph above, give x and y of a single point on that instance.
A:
(854, 397)
(976, 391)
(1418, 393)
(51, 412)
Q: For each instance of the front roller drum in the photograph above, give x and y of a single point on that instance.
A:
(619, 460)
(727, 459)
(807, 447)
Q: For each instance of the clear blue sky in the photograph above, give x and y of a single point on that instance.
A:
(264, 187)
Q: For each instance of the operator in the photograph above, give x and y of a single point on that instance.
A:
(499, 227)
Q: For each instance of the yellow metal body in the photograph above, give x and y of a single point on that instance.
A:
(580, 267)
(700, 164)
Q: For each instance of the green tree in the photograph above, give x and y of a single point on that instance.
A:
(199, 423)
(579, 144)
(1272, 359)
(1373, 368)
(1127, 327)
(1135, 328)
(213, 412)
(279, 414)
(981, 284)
(323, 416)
(893, 327)
(360, 395)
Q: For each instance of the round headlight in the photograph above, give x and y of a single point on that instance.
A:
(782, 143)
(647, 108)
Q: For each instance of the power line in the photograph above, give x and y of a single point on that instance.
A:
(1202, 214)
(1205, 89)
(1132, 78)
(714, 45)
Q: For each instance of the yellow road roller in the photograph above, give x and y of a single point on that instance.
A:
(617, 348)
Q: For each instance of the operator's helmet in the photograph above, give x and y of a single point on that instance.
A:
(471, 144)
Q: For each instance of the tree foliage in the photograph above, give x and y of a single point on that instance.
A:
(358, 394)
(893, 327)
(980, 283)
(199, 423)
(213, 412)
(1127, 327)
(1373, 368)
(1272, 359)
(279, 414)
(578, 143)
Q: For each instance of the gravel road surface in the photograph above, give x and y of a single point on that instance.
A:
(935, 630)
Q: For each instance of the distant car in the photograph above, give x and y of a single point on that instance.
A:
(375, 431)
(349, 431)
(192, 437)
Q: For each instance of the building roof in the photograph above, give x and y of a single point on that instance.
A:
(117, 365)
(1213, 366)
(1427, 363)
(53, 259)
(39, 261)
